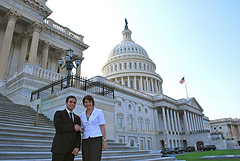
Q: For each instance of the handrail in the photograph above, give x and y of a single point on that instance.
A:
(81, 83)
(36, 121)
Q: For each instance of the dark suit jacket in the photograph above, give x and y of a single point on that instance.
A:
(65, 138)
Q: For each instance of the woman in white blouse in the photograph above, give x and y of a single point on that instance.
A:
(93, 129)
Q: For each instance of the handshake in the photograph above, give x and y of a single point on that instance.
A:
(78, 128)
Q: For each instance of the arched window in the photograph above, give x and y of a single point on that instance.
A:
(111, 68)
(115, 67)
(120, 120)
(147, 123)
(140, 66)
(120, 66)
(140, 124)
(126, 83)
(125, 65)
(130, 65)
(135, 65)
(130, 122)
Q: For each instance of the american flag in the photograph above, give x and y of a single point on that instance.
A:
(182, 80)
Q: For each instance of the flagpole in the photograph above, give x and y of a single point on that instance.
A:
(185, 85)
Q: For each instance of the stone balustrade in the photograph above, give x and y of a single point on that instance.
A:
(63, 29)
(35, 71)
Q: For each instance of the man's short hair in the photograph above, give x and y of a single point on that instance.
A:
(70, 97)
(89, 98)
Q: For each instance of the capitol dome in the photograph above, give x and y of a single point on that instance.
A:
(126, 47)
(129, 65)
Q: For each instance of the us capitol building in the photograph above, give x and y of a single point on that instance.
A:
(137, 112)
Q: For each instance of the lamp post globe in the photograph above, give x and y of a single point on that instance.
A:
(69, 64)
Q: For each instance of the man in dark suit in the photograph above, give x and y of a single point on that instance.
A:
(66, 142)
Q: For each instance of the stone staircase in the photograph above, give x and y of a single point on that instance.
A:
(21, 141)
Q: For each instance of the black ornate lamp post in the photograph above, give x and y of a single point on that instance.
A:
(69, 65)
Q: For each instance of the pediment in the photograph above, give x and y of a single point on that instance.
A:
(193, 103)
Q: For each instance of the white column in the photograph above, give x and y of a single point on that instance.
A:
(168, 120)
(147, 89)
(179, 124)
(160, 87)
(141, 84)
(122, 80)
(7, 41)
(198, 122)
(191, 118)
(175, 119)
(202, 124)
(164, 119)
(34, 45)
(156, 119)
(186, 121)
(234, 134)
(128, 81)
(152, 85)
(46, 46)
(156, 87)
(189, 121)
(135, 83)
(171, 117)
(194, 122)
(23, 50)
(144, 84)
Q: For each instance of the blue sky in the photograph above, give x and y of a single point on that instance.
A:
(199, 39)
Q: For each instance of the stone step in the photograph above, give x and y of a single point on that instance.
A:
(27, 128)
(106, 155)
(121, 148)
(26, 136)
(20, 140)
(23, 114)
(5, 105)
(17, 141)
(25, 148)
(26, 119)
(15, 132)
(25, 123)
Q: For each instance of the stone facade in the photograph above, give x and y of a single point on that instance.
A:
(140, 114)
(28, 36)
(227, 129)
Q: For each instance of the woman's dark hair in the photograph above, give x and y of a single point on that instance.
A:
(70, 97)
(89, 98)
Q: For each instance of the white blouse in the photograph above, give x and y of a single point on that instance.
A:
(92, 125)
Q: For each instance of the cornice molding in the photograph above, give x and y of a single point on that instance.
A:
(36, 4)
(64, 36)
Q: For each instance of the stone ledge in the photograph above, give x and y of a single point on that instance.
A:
(221, 157)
